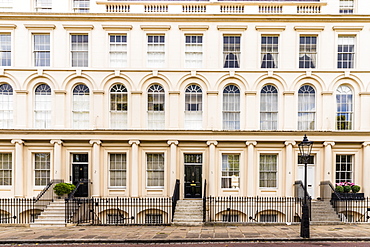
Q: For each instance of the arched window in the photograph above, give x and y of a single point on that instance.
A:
(156, 99)
(344, 116)
(306, 108)
(231, 108)
(81, 107)
(118, 107)
(42, 106)
(6, 106)
(269, 108)
(193, 107)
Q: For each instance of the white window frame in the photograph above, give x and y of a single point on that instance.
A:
(270, 51)
(84, 111)
(351, 172)
(308, 51)
(83, 51)
(346, 6)
(118, 56)
(6, 106)
(4, 170)
(43, 5)
(118, 108)
(231, 110)
(161, 183)
(193, 107)
(344, 40)
(122, 170)
(81, 8)
(276, 171)
(346, 91)
(269, 114)
(6, 49)
(44, 49)
(42, 170)
(156, 109)
(43, 106)
(234, 180)
(306, 107)
(156, 50)
(194, 50)
(231, 48)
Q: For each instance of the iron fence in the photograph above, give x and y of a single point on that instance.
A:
(352, 210)
(253, 209)
(17, 210)
(119, 211)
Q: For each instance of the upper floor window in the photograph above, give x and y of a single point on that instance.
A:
(6, 5)
(231, 51)
(81, 107)
(193, 107)
(346, 6)
(6, 106)
(344, 108)
(193, 51)
(231, 108)
(306, 108)
(230, 171)
(79, 50)
(307, 52)
(43, 5)
(156, 51)
(346, 52)
(118, 50)
(6, 169)
(156, 100)
(5, 49)
(118, 106)
(42, 106)
(41, 49)
(268, 171)
(81, 6)
(269, 108)
(269, 51)
(42, 169)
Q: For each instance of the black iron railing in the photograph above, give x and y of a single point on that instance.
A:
(253, 209)
(119, 211)
(300, 193)
(17, 210)
(47, 195)
(175, 196)
(352, 210)
(204, 200)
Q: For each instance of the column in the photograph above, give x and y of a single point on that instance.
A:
(250, 176)
(289, 174)
(18, 168)
(328, 161)
(134, 178)
(173, 161)
(95, 168)
(365, 186)
(211, 183)
(57, 159)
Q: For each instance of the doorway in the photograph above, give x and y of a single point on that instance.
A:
(80, 173)
(310, 174)
(193, 175)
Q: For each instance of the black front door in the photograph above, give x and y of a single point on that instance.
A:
(80, 174)
(193, 181)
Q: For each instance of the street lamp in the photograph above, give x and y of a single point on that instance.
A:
(305, 150)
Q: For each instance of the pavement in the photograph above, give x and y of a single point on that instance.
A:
(186, 234)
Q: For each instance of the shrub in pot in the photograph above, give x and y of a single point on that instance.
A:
(346, 188)
(63, 188)
(355, 188)
(339, 189)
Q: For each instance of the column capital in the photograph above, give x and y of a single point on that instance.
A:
(132, 142)
(290, 142)
(366, 144)
(97, 142)
(59, 142)
(329, 143)
(212, 143)
(17, 141)
(248, 143)
(173, 142)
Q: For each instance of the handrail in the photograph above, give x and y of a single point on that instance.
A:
(175, 196)
(47, 187)
(333, 190)
(204, 200)
(72, 194)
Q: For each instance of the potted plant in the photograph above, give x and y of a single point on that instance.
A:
(62, 189)
(348, 191)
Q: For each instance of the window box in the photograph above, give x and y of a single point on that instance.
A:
(347, 196)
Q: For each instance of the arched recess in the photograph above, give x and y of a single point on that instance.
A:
(152, 216)
(152, 79)
(277, 81)
(110, 80)
(34, 80)
(316, 82)
(237, 80)
(11, 81)
(190, 79)
(70, 82)
(354, 82)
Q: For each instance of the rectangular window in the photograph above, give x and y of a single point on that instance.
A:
(156, 51)
(5, 169)
(268, 170)
(307, 52)
(269, 51)
(117, 170)
(5, 49)
(79, 50)
(231, 51)
(343, 168)
(346, 52)
(41, 49)
(155, 170)
(346, 6)
(230, 171)
(193, 51)
(6, 5)
(153, 219)
(268, 218)
(42, 169)
(230, 218)
(81, 6)
(118, 50)
(43, 5)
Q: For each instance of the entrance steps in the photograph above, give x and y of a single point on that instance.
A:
(52, 216)
(188, 213)
(322, 213)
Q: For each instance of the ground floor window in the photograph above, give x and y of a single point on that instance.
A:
(268, 170)
(230, 171)
(42, 169)
(153, 219)
(155, 170)
(268, 218)
(343, 168)
(117, 170)
(5, 169)
(230, 218)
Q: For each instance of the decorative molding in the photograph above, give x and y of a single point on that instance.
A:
(212, 92)
(136, 92)
(117, 27)
(78, 27)
(98, 91)
(97, 142)
(287, 143)
(253, 143)
(250, 92)
(329, 143)
(327, 93)
(59, 142)
(155, 27)
(212, 143)
(58, 91)
(21, 91)
(232, 27)
(193, 27)
(173, 142)
(40, 26)
(348, 28)
(174, 92)
(288, 92)
(366, 144)
(134, 142)
(270, 28)
(17, 141)
(7, 26)
(309, 28)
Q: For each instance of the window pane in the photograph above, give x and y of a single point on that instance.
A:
(79, 50)
(193, 107)
(231, 108)
(269, 108)
(306, 108)
(42, 169)
(307, 52)
(193, 51)
(268, 170)
(231, 51)
(6, 169)
(269, 51)
(155, 170)
(344, 116)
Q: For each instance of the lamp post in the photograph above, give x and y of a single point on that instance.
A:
(305, 150)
